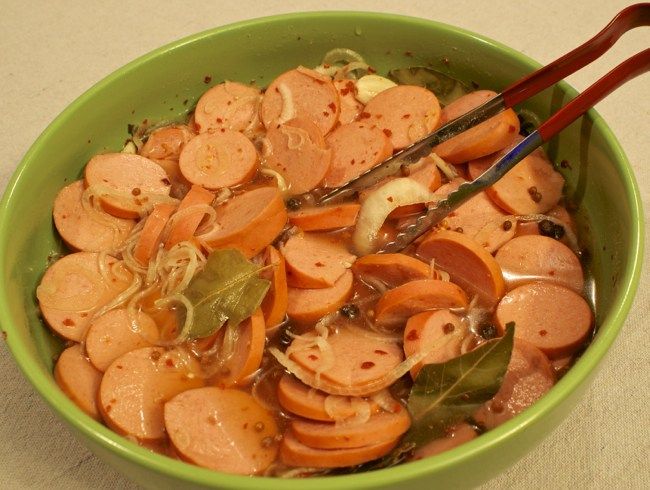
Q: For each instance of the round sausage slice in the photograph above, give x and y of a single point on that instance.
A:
(222, 159)
(380, 427)
(274, 305)
(534, 257)
(73, 288)
(302, 93)
(315, 261)
(324, 218)
(112, 334)
(294, 453)
(356, 148)
(88, 231)
(229, 105)
(350, 106)
(78, 379)
(296, 149)
(432, 331)
(528, 378)
(390, 269)
(223, 430)
(405, 113)
(468, 264)
(166, 143)
(552, 318)
(127, 184)
(351, 358)
(185, 226)
(136, 386)
(397, 305)
(532, 187)
(307, 306)
(248, 222)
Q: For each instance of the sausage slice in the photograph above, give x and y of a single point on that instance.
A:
(78, 379)
(229, 105)
(306, 306)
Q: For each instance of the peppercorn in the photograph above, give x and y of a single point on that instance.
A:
(293, 204)
(487, 331)
(507, 224)
(550, 229)
(349, 311)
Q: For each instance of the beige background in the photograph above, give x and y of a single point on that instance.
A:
(52, 51)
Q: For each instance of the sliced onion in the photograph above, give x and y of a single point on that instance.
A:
(379, 204)
(282, 184)
(360, 409)
(448, 170)
(296, 137)
(341, 55)
(370, 85)
(288, 108)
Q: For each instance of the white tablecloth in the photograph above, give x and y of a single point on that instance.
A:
(52, 51)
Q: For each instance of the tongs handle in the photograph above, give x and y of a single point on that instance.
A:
(633, 16)
(630, 68)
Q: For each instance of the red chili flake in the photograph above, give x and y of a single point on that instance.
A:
(412, 335)
(207, 79)
(496, 407)
(367, 365)
(83, 315)
(326, 114)
(332, 106)
(166, 181)
(406, 116)
(387, 132)
(169, 363)
(154, 356)
(198, 126)
(223, 130)
(119, 366)
(319, 264)
(364, 115)
(219, 120)
(345, 91)
(109, 408)
(380, 352)
(277, 91)
(543, 333)
(352, 161)
(68, 322)
(551, 273)
(212, 420)
(319, 82)
(389, 198)
(511, 129)
(312, 357)
(371, 70)
(447, 328)
(229, 102)
(136, 191)
(565, 164)
(326, 65)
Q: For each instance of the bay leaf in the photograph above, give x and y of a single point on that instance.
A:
(445, 394)
(446, 88)
(228, 289)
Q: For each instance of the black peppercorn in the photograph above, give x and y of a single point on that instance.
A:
(349, 311)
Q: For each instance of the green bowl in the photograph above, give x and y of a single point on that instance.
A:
(166, 83)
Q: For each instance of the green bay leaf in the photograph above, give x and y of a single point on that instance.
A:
(228, 289)
(445, 394)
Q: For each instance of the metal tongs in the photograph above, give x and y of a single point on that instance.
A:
(629, 18)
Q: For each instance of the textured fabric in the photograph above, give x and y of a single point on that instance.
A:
(50, 52)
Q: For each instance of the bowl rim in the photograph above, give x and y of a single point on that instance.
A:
(111, 441)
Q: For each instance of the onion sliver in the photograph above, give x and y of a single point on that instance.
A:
(380, 203)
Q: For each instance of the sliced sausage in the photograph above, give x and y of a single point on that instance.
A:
(553, 318)
(248, 222)
(350, 106)
(88, 231)
(456, 436)
(432, 331)
(229, 105)
(528, 378)
(221, 159)
(113, 334)
(126, 183)
(179, 184)
(356, 148)
(308, 402)
(184, 228)
(307, 306)
(223, 430)
(488, 137)
(534, 257)
(467, 263)
(151, 235)
(296, 149)
(166, 143)
(397, 305)
(531, 187)
(301, 93)
(293, 453)
(274, 305)
(352, 358)
(73, 288)
(406, 113)
(315, 261)
(380, 427)
(78, 379)
(247, 354)
(324, 218)
(136, 386)
(390, 269)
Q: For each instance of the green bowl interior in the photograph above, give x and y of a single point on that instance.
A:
(165, 85)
